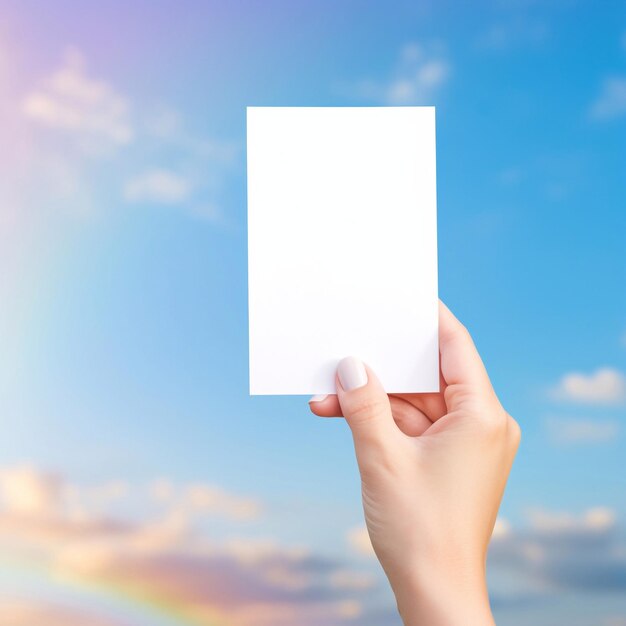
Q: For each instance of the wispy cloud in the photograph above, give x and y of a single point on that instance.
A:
(611, 103)
(27, 491)
(158, 186)
(359, 541)
(89, 109)
(501, 528)
(167, 125)
(168, 558)
(604, 386)
(418, 75)
(199, 498)
(576, 431)
(570, 552)
(74, 119)
(35, 613)
(594, 520)
(513, 34)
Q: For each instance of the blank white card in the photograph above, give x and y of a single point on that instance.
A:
(342, 246)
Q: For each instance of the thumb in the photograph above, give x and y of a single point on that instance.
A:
(365, 405)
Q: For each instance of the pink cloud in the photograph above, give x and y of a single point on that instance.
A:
(166, 558)
(22, 613)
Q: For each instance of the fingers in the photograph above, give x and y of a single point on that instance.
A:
(409, 418)
(325, 406)
(460, 361)
(365, 406)
(461, 366)
(407, 415)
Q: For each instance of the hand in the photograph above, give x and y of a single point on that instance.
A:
(433, 470)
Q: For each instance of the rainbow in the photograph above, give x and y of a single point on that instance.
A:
(104, 599)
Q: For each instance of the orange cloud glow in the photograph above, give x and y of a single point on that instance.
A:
(166, 559)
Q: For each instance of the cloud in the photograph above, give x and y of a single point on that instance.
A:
(200, 166)
(593, 520)
(165, 187)
(28, 491)
(501, 528)
(90, 109)
(611, 103)
(604, 386)
(419, 74)
(24, 491)
(359, 541)
(349, 579)
(564, 551)
(166, 557)
(517, 33)
(572, 431)
(35, 613)
(158, 186)
(199, 498)
(167, 125)
(71, 114)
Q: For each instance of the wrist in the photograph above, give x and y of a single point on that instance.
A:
(444, 594)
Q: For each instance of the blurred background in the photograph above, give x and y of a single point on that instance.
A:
(139, 482)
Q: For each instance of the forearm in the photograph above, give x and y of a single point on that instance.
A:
(443, 596)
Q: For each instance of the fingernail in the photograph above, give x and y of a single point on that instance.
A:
(320, 397)
(352, 374)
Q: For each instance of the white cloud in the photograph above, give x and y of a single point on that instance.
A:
(570, 431)
(517, 33)
(599, 519)
(90, 109)
(158, 186)
(70, 114)
(202, 498)
(26, 491)
(161, 186)
(501, 528)
(359, 541)
(611, 102)
(167, 125)
(418, 75)
(605, 386)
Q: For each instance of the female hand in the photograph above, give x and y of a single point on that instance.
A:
(433, 470)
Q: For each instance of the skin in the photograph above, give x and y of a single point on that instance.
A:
(433, 471)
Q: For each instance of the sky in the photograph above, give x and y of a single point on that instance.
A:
(139, 482)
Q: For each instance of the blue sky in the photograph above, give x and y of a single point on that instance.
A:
(123, 259)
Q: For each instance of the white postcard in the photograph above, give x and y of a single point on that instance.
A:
(342, 246)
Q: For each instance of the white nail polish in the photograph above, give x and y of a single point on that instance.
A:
(352, 374)
(320, 397)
